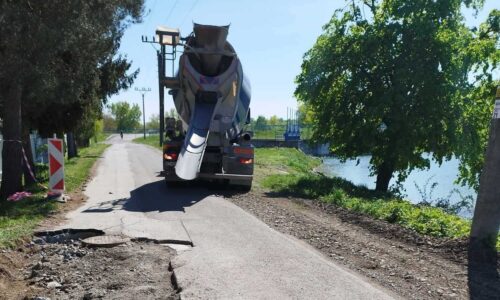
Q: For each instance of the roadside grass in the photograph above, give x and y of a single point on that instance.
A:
(77, 169)
(19, 219)
(289, 160)
(301, 181)
(101, 137)
(151, 140)
(269, 161)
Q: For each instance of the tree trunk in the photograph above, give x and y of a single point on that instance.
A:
(11, 153)
(384, 175)
(72, 150)
(482, 253)
(28, 178)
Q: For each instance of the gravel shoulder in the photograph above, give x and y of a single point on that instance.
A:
(411, 265)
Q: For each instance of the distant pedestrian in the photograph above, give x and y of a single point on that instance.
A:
(121, 134)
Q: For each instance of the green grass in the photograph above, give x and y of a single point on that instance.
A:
(19, 219)
(289, 160)
(269, 161)
(151, 140)
(101, 137)
(300, 181)
(77, 169)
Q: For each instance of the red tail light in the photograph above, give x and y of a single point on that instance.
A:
(246, 161)
(170, 156)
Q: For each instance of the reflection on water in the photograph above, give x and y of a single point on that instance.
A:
(444, 175)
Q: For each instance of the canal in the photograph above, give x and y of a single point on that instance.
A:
(444, 175)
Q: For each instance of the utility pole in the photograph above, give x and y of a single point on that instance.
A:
(165, 37)
(143, 91)
(486, 220)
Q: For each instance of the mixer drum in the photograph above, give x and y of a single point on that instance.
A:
(209, 100)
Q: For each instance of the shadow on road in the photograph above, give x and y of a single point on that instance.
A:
(157, 197)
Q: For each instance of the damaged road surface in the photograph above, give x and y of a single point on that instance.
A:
(68, 269)
(222, 251)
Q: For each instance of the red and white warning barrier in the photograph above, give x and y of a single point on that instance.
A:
(56, 166)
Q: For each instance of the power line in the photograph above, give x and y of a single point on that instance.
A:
(150, 14)
(171, 10)
(191, 9)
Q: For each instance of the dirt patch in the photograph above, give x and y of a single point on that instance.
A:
(54, 268)
(12, 284)
(14, 261)
(69, 270)
(412, 265)
(76, 199)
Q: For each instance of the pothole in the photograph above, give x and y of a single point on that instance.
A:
(98, 238)
(65, 235)
(65, 266)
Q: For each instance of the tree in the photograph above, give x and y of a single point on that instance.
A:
(306, 115)
(127, 117)
(390, 85)
(98, 129)
(57, 53)
(260, 123)
(154, 122)
(274, 121)
(483, 55)
(109, 123)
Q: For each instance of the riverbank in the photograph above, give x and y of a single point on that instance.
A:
(299, 180)
(348, 224)
(434, 185)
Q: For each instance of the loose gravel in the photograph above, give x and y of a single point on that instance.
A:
(412, 265)
(69, 270)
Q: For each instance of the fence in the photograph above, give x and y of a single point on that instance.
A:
(277, 132)
(38, 147)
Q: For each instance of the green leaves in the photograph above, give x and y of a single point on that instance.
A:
(67, 54)
(127, 117)
(407, 68)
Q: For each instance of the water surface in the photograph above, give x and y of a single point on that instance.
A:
(444, 174)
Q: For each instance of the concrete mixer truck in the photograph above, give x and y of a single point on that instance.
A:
(211, 94)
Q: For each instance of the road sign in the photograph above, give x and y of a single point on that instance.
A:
(56, 165)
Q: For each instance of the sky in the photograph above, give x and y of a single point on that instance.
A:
(270, 38)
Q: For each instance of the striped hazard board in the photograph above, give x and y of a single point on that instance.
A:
(56, 165)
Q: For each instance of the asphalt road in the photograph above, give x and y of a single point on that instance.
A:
(235, 255)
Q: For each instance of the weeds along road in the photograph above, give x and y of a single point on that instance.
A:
(234, 255)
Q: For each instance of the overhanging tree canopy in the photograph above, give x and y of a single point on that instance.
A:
(58, 54)
(390, 82)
